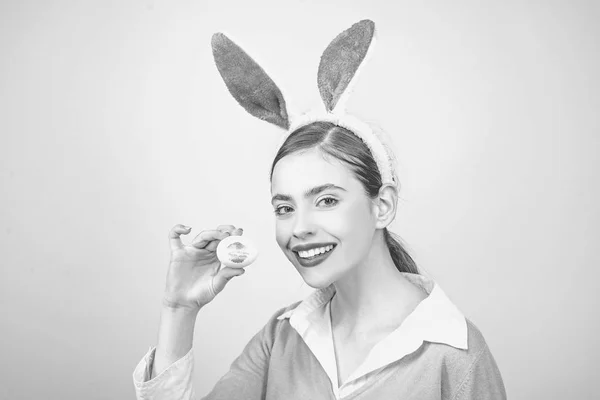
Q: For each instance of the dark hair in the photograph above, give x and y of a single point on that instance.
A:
(348, 148)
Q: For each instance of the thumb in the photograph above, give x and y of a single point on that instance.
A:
(223, 276)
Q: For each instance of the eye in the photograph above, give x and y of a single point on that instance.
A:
(328, 201)
(282, 210)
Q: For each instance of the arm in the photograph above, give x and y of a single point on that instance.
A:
(194, 278)
(483, 380)
(175, 337)
(166, 371)
(246, 378)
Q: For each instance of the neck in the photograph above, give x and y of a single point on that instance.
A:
(374, 295)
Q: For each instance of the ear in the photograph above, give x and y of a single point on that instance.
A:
(341, 59)
(385, 205)
(248, 83)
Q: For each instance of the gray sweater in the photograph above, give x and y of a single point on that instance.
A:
(277, 365)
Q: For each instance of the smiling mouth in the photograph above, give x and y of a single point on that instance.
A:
(316, 255)
(314, 260)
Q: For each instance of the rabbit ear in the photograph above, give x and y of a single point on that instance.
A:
(248, 83)
(341, 59)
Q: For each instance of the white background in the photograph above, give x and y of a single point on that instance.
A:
(115, 125)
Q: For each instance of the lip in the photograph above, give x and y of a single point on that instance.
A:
(314, 261)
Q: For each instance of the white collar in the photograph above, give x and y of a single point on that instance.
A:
(435, 319)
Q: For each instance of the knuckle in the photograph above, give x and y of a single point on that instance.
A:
(173, 231)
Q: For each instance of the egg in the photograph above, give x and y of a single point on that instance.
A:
(236, 252)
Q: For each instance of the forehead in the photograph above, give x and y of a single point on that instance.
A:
(298, 172)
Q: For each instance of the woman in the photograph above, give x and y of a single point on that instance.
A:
(373, 329)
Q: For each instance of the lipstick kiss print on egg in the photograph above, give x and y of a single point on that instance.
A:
(237, 252)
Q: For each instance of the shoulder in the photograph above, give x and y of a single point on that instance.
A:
(288, 308)
(278, 320)
(283, 312)
(457, 359)
(271, 332)
(472, 369)
(475, 342)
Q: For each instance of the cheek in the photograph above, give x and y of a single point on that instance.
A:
(281, 234)
(357, 227)
(353, 220)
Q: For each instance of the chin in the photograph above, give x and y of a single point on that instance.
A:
(317, 285)
(316, 280)
(319, 276)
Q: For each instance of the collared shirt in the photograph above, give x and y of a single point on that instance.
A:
(436, 353)
(435, 319)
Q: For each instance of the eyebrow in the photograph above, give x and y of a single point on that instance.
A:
(309, 193)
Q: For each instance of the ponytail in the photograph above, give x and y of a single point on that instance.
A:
(401, 258)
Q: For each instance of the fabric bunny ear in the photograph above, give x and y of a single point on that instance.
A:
(248, 83)
(341, 59)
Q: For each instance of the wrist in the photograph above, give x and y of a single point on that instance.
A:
(176, 308)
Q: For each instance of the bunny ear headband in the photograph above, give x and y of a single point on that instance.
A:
(254, 90)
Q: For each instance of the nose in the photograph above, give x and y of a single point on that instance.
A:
(303, 225)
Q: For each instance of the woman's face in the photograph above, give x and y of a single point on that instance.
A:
(319, 204)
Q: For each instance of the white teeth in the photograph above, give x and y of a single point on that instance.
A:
(313, 252)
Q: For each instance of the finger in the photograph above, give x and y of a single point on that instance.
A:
(223, 277)
(174, 235)
(226, 228)
(205, 237)
(212, 246)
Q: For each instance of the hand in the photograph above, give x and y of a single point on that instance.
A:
(194, 277)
